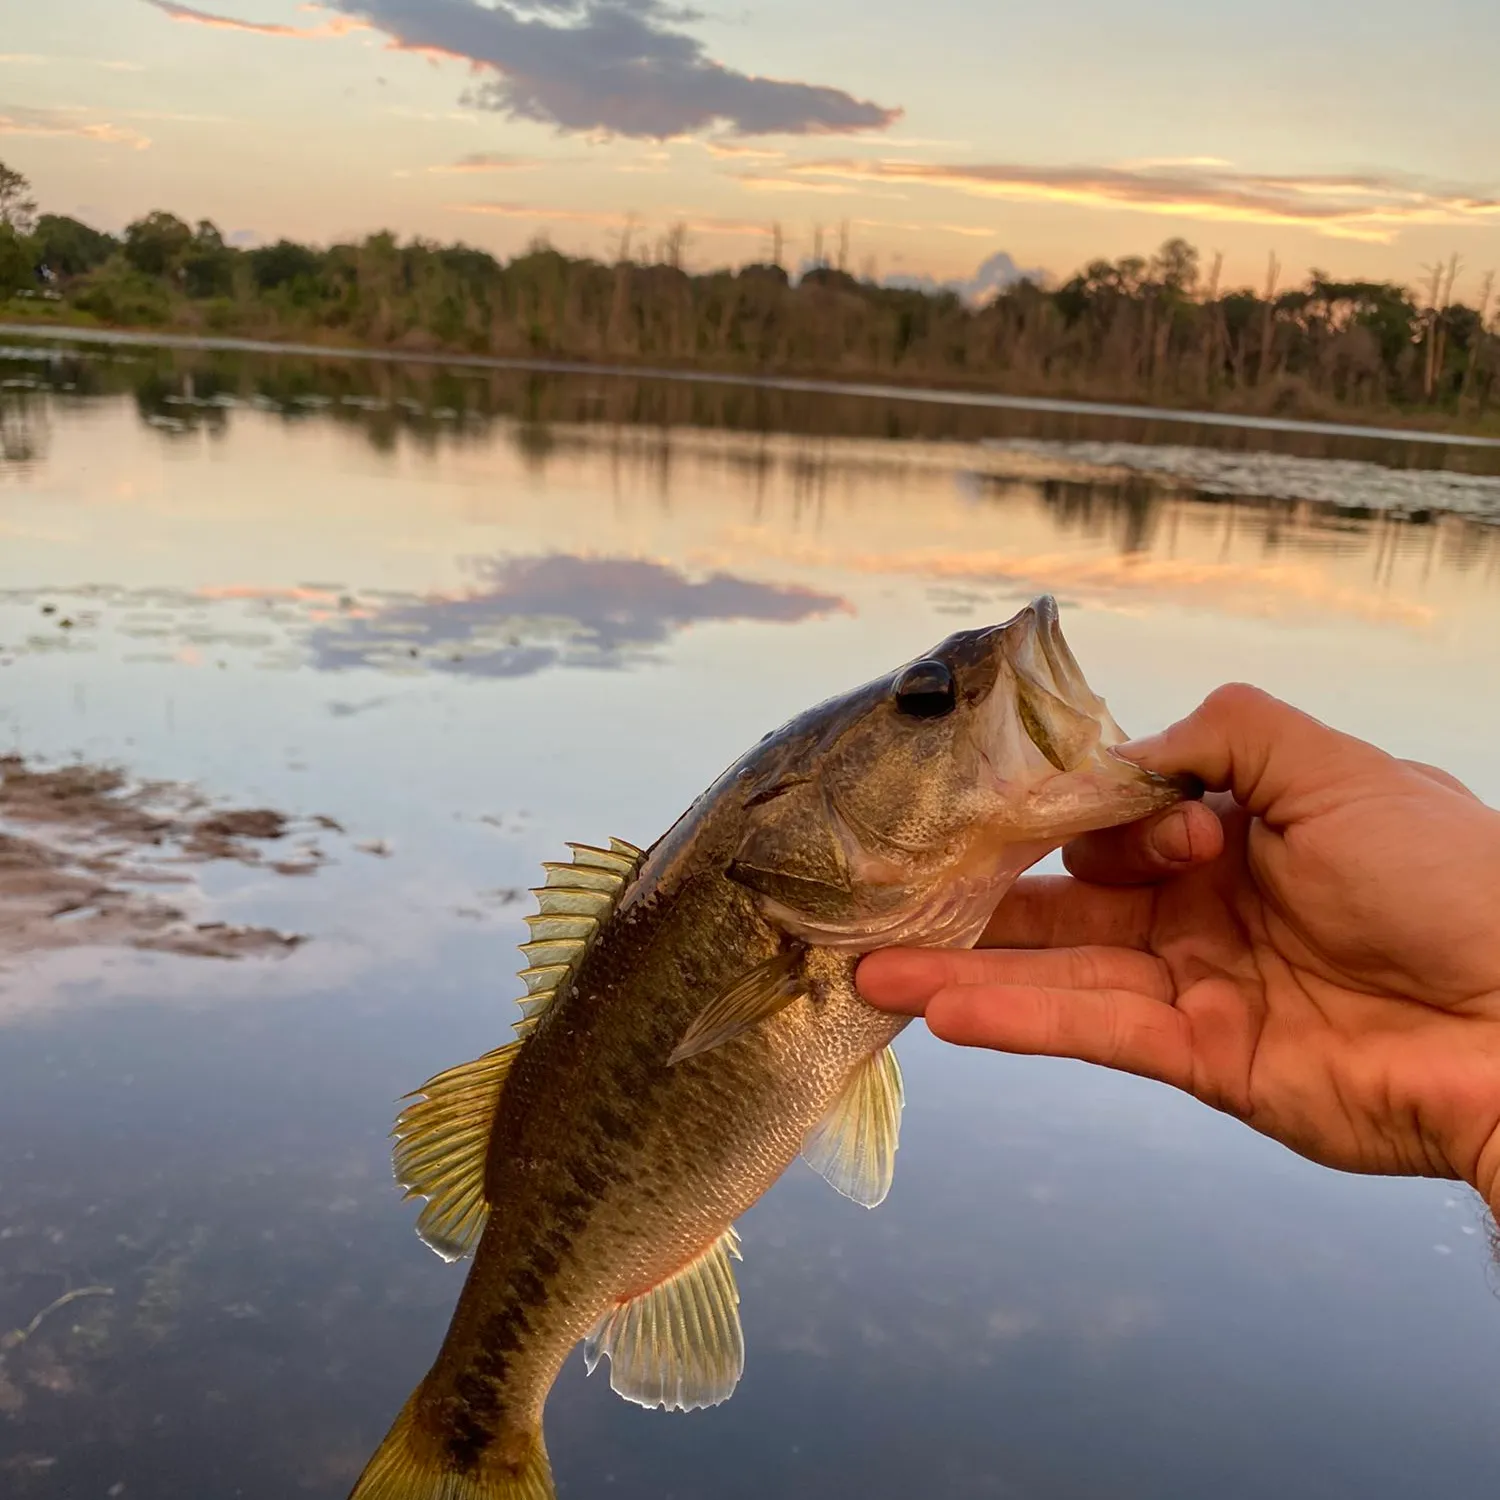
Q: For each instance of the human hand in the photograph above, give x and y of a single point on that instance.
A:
(1317, 953)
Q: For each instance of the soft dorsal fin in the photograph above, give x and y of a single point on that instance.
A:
(854, 1145)
(679, 1345)
(443, 1136)
(442, 1139)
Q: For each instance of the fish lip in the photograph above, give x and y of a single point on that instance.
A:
(1039, 654)
(1038, 651)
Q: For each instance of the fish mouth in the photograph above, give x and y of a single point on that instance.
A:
(1078, 783)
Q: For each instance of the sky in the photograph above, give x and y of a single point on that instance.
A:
(1360, 137)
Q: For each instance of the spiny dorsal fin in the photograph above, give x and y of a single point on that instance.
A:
(854, 1144)
(679, 1345)
(442, 1139)
(571, 907)
(755, 996)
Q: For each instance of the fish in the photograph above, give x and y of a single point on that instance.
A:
(691, 1027)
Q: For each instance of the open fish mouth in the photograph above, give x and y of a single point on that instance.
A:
(1067, 733)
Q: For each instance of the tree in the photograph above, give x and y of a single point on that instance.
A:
(67, 247)
(16, 270)
(285, 261)
(207, 264)
(155, 244)
(17, 206)
(1175, 266)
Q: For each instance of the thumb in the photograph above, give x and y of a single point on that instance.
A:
(1279, 762)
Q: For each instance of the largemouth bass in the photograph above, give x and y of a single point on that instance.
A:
(692, 1027)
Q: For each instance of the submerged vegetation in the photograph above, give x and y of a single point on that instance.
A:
(1159, 330)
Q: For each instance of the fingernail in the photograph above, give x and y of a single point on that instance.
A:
(1141, 749)
(1171, 840)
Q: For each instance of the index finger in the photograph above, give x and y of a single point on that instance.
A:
(1057, 911)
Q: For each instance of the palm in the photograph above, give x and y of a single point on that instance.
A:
(1247, 980)
(1267, 1000)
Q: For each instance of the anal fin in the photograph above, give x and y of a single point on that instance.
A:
(854, 1145)
(679, 1345)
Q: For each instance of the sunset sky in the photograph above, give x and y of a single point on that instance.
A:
(1358, 136)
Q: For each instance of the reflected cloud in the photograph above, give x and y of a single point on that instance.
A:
(530, 614)
(1121, 579)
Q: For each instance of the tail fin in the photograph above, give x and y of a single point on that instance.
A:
(410, 1466)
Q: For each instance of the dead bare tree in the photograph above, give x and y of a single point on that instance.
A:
(1268, 320)
(1481, 325)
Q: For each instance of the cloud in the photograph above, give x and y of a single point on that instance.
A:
(994, 275)
(1150, 163)
(489, 161)
(620, 67)
(1371, 206)
(36, 60)
(760, 183)
(750, 153)
(17, 120)
(712, 224)
(176, 117)
(335, 26)
(536, 211)
(532, 613)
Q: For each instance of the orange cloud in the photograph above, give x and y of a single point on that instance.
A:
(545, 215)
(759, 183)
(751, 153)
(1373, 207)
(335, 26)
(60, 122)
(489, 161)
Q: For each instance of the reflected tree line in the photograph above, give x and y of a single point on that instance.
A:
(655, 427)
(427, 405)
(1156, 329)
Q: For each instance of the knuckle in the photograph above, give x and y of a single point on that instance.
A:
(1237, 700)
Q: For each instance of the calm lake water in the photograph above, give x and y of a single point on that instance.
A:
(466, 617)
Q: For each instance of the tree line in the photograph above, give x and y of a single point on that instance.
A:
(1158, 329)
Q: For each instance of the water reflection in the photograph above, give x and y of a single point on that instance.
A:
(182, 393)
(599, 612)
(1080, 1286)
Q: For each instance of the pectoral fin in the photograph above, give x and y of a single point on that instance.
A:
(679, 1345)
(854, 1145)
(754, 997)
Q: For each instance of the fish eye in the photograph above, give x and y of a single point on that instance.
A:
(925, 690)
